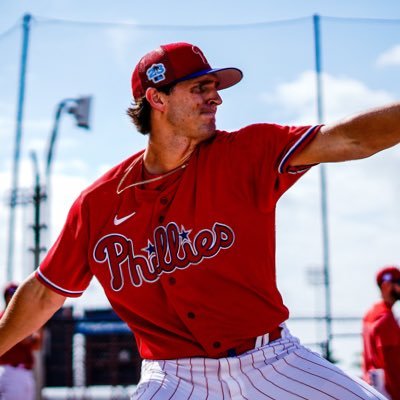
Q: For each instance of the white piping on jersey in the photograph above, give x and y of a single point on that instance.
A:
(293, 149)
(56, 286)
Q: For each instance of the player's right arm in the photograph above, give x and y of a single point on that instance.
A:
(358, 136)
(32, 305)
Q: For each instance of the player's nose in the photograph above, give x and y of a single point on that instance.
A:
(215, 98)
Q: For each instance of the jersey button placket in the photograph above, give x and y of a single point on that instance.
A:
(163, 202)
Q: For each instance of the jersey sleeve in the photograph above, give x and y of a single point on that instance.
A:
(65, 268)
(261, 154)
(299, 138)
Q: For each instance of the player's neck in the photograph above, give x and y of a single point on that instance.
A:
(388, 299)
(162, 156)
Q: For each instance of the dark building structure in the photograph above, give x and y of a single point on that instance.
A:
(110, 353)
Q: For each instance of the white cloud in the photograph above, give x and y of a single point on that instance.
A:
(75, 167)
(32, 137)
(39, 125)
(103, 168)
(390, 57)
(33, 126)
(342, 96)
(6, 124)
(64, 190)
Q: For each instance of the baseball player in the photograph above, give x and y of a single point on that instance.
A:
(16, 376)
(381, 337)
(181, 236)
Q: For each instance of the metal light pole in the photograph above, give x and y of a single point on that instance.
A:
(80, 108)
(324, 208)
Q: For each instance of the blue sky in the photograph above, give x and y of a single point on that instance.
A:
(90, 48)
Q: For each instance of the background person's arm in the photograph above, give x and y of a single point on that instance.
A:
(353, 138)
(32, 305)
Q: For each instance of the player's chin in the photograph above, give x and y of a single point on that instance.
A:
(207, 130)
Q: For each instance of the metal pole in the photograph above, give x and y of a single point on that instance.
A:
(17, 149)
(52, 140)
(49, 161)
(38, 196)
(324, 208)
(80, 108)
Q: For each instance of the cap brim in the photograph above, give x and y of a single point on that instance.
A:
(227, 76)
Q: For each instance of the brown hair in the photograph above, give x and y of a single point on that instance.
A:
(140, 111)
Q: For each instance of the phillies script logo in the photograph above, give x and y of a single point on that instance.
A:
(171, 249)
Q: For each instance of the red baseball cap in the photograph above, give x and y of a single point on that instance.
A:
(388, 274)
(176, 62)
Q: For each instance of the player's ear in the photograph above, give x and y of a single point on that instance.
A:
(155, 98)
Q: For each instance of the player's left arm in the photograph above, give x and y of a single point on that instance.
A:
(32, 305)
(356, 137)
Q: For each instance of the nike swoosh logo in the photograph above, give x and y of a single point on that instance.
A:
(118, 221)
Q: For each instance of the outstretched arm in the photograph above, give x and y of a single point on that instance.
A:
(353, 138)
(31, 307)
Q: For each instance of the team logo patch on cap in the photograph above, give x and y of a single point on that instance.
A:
(156, 73)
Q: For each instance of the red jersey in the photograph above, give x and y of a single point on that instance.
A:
(189, 264)
(21, 355)
(381, 337)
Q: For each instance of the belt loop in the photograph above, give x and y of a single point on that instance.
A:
(261, 340)
(266, 338)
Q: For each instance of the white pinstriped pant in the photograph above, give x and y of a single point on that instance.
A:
(280, 370)
(16, 383)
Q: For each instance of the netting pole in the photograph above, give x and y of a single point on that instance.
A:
(324, 207)
(17, 146)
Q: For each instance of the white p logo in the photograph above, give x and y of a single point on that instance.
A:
(196, 50)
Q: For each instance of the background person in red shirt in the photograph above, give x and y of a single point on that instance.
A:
(381, 336)
(16, 375)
